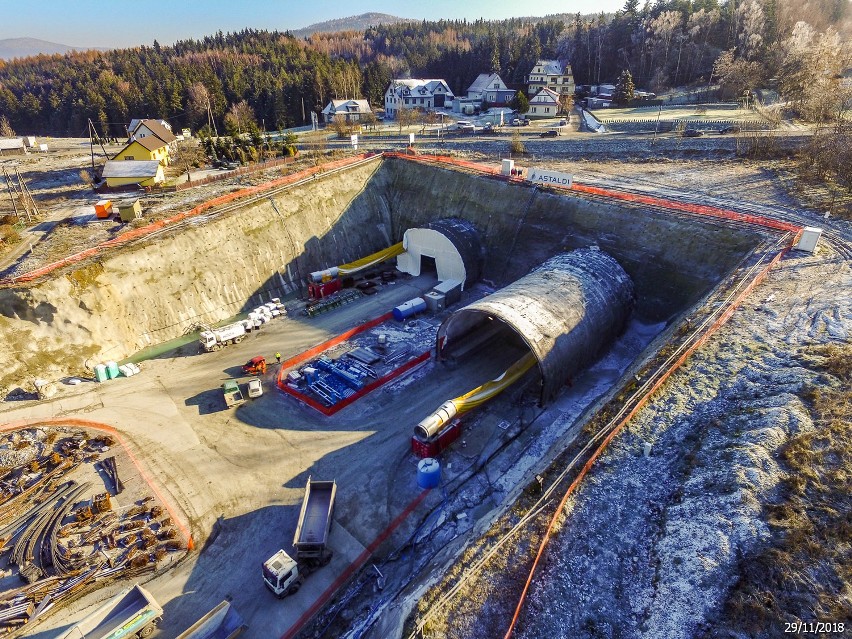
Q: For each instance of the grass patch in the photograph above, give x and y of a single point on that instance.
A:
(804, 571)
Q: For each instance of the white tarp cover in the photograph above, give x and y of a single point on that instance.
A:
(430, 243)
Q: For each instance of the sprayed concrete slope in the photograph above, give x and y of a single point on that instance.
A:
(159, 289)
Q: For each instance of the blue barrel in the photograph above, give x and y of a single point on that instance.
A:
(409, 308)
(101, 373)
(428, 473)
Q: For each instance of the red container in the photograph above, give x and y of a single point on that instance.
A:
(433, 446)
(317, 291)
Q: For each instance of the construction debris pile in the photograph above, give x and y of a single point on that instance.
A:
(68, 535)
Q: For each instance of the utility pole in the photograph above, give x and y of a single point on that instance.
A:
(657, 125)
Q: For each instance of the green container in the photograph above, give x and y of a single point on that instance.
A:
(112, 370)
(101, 374)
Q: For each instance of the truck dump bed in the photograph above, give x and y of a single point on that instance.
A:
(223, 622)
(315, 518)
(121, 617)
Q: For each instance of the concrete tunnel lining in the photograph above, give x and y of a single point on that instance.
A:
(566, 311)
(453, 243)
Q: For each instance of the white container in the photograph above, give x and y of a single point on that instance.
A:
(506, 167)
(809, 239)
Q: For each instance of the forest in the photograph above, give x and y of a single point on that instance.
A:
(273, 80)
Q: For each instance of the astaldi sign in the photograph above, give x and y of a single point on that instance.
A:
(550, 178)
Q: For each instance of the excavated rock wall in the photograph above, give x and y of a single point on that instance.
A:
(212, 270)
(216, 267)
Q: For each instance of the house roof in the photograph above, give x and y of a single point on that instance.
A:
(159, 130)
(484, 81)
(545, 92)
(550, 67)
(150, 142)
(131, 168)
(8, 144)
(416, 84)
(348, 106)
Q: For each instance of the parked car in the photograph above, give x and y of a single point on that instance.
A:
(563, 122)
(729, 129)
(255, 388)
(552, 133)
(488, 128)
(692, 133)
(516, 122)
(463, 125)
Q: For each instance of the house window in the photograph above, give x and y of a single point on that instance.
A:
(547, 109)
(128, 157)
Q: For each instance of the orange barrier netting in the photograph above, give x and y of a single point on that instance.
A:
(722, 319)
(699, 209)
(141, 232)
(84, 423)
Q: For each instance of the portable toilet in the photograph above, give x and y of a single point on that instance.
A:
(112, 370)
(101, 373)
(129, 211)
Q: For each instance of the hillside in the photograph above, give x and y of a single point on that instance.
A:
(352, 23)
(24, 47)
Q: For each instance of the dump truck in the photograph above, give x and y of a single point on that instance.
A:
(212, 339)
(233, 395)
(223, 622)
(284, 574)
(131, 613)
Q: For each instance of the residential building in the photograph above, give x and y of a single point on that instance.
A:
(488, 87)
(544, 104)
(12, 146)
(129, 172)
(553, 75)
(352, 110)
(424, 95)
(146, 148)
(146, 128)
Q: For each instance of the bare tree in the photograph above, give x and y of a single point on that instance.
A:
(198, 103)
(240, 119)
(752, 24)
(406, 117)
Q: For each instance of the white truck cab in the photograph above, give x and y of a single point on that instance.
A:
(281, 574)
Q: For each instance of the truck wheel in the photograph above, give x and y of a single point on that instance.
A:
(147, 631)
(292, 590)
(217, 347)
(238, 340)
(326, 559)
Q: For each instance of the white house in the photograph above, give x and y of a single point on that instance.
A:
(158, 128)
(553, 75)
(10, 146)
(352, 110)
(490, 88)
(544, 104)
(424, 95)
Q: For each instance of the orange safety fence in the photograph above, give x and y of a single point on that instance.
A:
(129, 236)
(85, 423)
(720, 321)
(698, 209)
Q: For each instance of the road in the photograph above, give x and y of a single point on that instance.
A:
(239, 474)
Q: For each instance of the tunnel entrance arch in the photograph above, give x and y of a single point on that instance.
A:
(449, 247)
(565, 312)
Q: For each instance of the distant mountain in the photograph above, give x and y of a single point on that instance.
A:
(352, 23)
(24, 47)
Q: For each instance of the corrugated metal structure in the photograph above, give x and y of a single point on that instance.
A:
(453, 243)
(566, 311)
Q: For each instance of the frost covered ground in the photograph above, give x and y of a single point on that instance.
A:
(650, 546)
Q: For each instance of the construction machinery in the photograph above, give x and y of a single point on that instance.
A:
(212, 339)
(233, 396)
(255, 366)
(223, 622)
(131, 613)
(283, 574)
(434, 433)
(325, 283)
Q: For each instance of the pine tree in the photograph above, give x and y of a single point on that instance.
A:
(623, 89)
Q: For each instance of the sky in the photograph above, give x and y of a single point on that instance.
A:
(121, 23)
